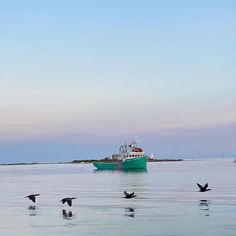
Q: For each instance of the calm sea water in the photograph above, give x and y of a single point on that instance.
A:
(168, 202)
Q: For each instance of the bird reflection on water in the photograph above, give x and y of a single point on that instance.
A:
(129, 211)
(32, 207)
(67, 215)
(204, 206)
(32, 210)
(204, 203)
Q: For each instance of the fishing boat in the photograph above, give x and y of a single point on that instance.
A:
(131, 157)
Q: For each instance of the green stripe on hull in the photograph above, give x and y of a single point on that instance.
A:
(128, 164)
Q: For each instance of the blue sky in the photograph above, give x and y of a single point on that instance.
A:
(78, 78)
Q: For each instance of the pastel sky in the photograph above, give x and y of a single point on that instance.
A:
(79, 78)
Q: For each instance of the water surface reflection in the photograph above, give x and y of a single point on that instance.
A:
(129, 211)
(204, 206)
(32, 210)
(67, 215)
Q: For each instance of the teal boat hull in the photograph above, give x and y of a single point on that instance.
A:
(128, 164)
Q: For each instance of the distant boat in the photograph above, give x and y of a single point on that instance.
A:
(130, 157)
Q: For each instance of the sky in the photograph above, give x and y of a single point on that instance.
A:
(79, 78)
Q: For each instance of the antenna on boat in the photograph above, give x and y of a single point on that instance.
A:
(135, 132)
(134, 128)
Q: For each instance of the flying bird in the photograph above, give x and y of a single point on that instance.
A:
(32, 197)
(203, 189)
(129, 195)
(68, 200)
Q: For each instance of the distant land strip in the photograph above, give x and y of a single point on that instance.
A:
(105, 160)
(82, 161)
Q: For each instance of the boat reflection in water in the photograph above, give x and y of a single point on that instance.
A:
(124, 171)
